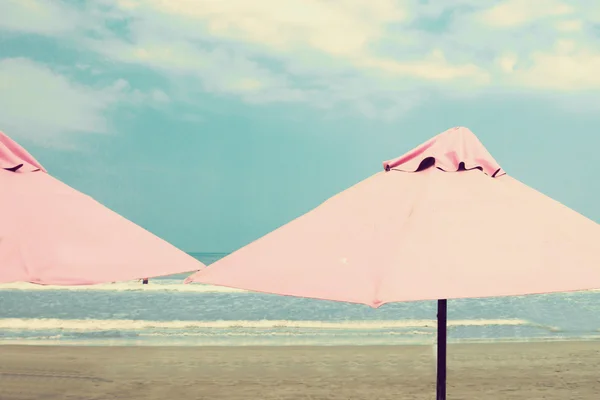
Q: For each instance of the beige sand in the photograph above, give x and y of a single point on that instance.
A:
(567, 370)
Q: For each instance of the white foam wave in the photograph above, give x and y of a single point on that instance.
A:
(158, 285)
(124, 325)
(164, 285)
(272, 334)
(291, 341)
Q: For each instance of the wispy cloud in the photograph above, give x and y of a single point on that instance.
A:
(517, 13)
(40, 103)
(377, 57)
(41, 17)
(342, 32)
(569, 25)
(567, 67)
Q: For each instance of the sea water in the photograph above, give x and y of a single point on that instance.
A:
(167, 312)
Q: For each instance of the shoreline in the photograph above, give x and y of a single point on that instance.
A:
(517, 371)
(456, 343)
(183, 343)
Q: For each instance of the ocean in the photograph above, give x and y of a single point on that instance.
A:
(167, 312)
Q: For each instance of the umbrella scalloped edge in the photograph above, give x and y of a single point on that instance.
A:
(15, 158)
(456, 149)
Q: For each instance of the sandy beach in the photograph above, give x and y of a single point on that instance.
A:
(558, 370)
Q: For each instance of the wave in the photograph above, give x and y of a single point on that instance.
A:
(158, 285)
(167, 285)
(58, 340)
(234, 333)
(30, 324)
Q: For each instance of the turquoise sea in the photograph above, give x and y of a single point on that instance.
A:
(167, 312)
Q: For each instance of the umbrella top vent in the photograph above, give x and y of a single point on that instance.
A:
(456, 149)
(15, 158)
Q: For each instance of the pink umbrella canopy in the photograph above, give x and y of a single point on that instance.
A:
(444, 221)
(52, 234)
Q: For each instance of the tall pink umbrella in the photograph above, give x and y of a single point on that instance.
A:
(52, 234)
(443, 221)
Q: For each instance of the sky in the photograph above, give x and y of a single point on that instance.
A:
(212, 122)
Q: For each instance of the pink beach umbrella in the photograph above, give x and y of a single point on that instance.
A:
(443, 221)
(52, 234)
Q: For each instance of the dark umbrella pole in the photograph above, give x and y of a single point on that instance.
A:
(442, 321)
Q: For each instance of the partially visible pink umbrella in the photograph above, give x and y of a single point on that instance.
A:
(54, 235)
(441, 222)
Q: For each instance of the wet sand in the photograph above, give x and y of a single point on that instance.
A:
(558, 370)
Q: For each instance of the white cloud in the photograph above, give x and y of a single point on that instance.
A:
(535, 45)
(352, 54)
(572, 25)
(42, 17)
(43, 102)
(507, 62)
(567, 67)
(342, 34)
(342, 29)
(339, 27)
(219, 70)
(514, 13)
(159, 96)
(435, 67)
(313, 43)
(39, 103)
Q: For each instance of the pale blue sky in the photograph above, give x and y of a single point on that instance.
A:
(213, 122)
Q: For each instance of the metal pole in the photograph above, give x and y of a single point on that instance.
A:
(441, 349)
